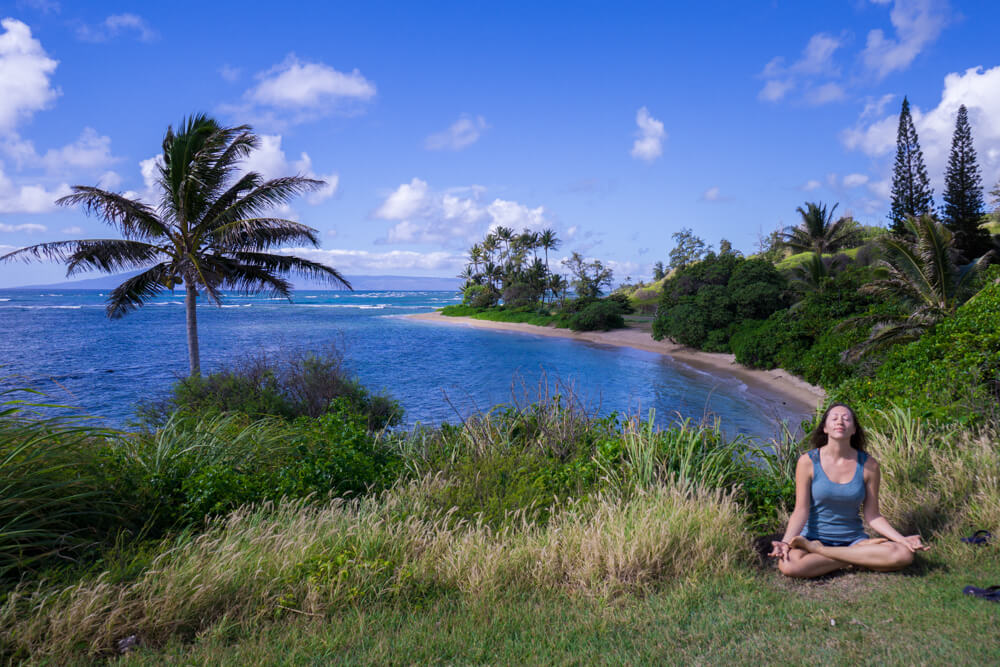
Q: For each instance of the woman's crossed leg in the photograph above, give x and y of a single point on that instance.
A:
(811, 558)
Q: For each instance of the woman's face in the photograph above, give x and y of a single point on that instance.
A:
(839, 423)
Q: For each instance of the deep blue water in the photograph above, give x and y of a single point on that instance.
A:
(62, 343)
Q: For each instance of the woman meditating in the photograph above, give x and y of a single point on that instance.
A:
(833, 481)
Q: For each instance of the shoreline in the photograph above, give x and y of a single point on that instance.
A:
(794, 392)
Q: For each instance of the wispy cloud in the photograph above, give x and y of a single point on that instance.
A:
(917, 23)
(115, 25)
(650, 136)
(806, 74)
(461, 134)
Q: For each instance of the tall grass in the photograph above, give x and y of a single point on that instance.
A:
(51, 501)
(295, 558)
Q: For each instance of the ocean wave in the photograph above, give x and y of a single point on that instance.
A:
(4, 299)
(168, 303)
(237, 305)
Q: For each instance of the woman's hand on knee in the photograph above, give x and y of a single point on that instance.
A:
(913, 543)
(779, 550)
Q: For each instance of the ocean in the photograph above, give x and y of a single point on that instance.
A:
(61, 343)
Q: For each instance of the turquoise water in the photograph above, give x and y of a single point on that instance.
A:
(62, 343)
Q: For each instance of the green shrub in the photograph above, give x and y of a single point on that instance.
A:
(479, 296)
(195, 467)
(809, 338)
(951, 374)
(296, 384)
(599, 315)
(703, 304)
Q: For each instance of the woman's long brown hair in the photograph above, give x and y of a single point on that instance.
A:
(858, 440)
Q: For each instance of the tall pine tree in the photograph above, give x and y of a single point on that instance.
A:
(963, 192)
(911, 189)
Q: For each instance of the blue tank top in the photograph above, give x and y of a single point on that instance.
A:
(834, 511)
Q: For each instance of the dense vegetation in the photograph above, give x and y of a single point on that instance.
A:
(506, 281)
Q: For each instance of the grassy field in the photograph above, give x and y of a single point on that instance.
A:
(916, 617)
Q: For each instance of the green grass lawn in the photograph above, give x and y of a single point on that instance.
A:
(916, 617)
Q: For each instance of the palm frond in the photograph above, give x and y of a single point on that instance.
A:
(139, 289)
(288, 264)
(250, 279)
(256, 234)
(261, 200)
(112, 256)
(134, 219)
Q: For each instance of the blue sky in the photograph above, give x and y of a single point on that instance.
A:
(616, 124)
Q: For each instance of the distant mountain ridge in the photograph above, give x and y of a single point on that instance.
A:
(360, 283)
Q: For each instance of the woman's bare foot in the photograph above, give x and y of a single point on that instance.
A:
(799, 542)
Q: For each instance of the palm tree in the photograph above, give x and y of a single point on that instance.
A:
(919, 270)
(211, 229)
(812, 274)
(547, 239)
(818, 232)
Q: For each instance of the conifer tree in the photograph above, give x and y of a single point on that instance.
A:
(911, 189)
(963, 192)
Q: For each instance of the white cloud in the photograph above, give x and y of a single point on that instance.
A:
(816, 62)
(331, 232)
(824, 94)
(72, 231)
(649, 144)
(775, 89)
(855, 180)
(712, 194)
(455, 216)
(115, 25)
(917, 24)
(29, 228)
(90, 151)
(811, 185)
(364, 261)
(109, 180)
(408, 200)
(978, 89)
(880, 188)
(293, 84)
(28, 198)
(463, 133)
(25, 70)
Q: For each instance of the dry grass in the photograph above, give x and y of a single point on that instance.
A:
(302, 559)
(936, 481)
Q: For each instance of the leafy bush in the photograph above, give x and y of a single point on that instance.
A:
(951, 374)
(298, 384)
(703, 303)
(599, 315)
(809, 339)
(193, 467)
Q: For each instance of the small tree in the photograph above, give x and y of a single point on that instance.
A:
(590, 277)
(911, 190)
(963, 195)
(689, 249)
(658, 271)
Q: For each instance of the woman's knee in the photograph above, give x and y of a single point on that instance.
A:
(791, 568)
(902, 556)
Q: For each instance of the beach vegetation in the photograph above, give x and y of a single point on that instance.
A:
(688, 249)
(702, 304)
(286, 385)
(818, 232)
(918, 270)
(211, 230)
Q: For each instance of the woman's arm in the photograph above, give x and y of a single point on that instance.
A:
(799, 516)
(873, 478)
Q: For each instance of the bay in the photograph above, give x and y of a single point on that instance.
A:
(62, 343)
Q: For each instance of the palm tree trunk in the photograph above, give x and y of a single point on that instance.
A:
(190, 302)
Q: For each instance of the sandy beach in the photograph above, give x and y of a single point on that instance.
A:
(795, 392)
